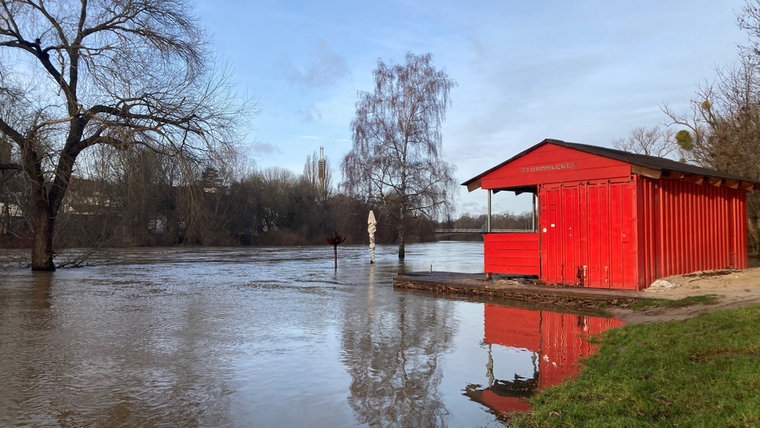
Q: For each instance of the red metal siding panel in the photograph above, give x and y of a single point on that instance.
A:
(647, 239)
(514, 253)
(615, 235)
(597, 222)
(739, 231)
(630, 249)
(696, 227)
(557, 219)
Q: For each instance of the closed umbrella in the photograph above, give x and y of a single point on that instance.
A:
(371, 228)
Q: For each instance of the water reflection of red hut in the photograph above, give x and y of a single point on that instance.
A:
(557, 342)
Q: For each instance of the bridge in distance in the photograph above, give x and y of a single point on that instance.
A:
(481, 230)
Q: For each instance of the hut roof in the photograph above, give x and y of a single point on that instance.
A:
(660, 167)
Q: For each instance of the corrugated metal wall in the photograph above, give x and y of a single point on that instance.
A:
(626, 234)
(690, 227)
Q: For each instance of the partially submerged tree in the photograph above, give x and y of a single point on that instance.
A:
(396, 156)
(123, 73)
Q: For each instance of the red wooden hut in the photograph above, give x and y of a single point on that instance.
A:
(613, 219)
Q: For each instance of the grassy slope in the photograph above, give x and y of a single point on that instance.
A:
(704, 371)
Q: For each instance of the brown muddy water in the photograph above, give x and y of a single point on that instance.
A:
(260, 337)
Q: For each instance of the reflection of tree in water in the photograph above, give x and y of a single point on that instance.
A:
(392, 356)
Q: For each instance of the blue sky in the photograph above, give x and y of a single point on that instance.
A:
(581, 71)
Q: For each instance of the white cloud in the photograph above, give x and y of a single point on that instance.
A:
(323, 69)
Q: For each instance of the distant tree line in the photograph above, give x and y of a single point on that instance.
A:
(141, 198)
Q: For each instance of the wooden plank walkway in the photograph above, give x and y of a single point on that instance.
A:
(515, 288)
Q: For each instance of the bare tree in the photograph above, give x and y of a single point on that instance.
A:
(656, 141)
(396, 156)
(721, 130)
(76, 74)
(749, 21)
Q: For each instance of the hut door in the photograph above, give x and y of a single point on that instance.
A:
(551, 265)
(587, 234)
(559, 225)
(608, 249)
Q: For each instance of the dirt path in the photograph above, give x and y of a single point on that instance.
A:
(734, 288)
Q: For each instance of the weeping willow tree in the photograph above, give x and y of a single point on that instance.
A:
(75, 74)
(396, 159)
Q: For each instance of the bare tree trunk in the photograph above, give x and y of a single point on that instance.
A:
(402, 225)
(402, 233)
(48, 204)
(42, 244)
(401, 250)
(43, 217)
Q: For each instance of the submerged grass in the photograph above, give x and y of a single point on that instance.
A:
(704, 371)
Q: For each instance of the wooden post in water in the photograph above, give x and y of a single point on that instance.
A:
(335, 239)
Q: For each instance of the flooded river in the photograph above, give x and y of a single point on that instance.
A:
(258, 337)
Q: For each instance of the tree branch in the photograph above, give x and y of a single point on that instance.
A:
(11, 133)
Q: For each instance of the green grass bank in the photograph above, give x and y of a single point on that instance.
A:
(700, 372)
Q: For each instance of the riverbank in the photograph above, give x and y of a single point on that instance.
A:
(685, 296)
(676, 365)
(516, 289)
(730, 288)
(702, 371)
